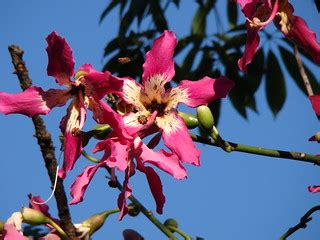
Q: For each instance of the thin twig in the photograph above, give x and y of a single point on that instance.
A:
(302, 224)
(46, 145)
(145, 211)
(302, 71)
(236, 147)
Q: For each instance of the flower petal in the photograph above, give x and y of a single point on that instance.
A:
(72, 151)
(296, 29)
(159, 60)
(251, 47)
(79, 186)
(314, 189)
(126, 192)
(104, 114)
(61, 62)
(98, 84)
(167, 162)
(315, 101)
(11, 233)
(32, 101)
(119, 154)
(205, 90)
(156, 188)
(184, 148)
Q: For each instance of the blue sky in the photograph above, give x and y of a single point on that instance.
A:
(230, 196)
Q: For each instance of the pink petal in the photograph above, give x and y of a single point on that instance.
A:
(120, 151)
(61, 62)
(79, 186)
(104, 114)
(206, 90)
(184, 148)
(50, 236)
(315, 101)
(156, 188)
(251, 47)
(72, 151)
(165, 161)
(126, 192)
(32, 101)
(297, 31)
(11, 233)
(98, 84)
(159, 60)
(314, 189)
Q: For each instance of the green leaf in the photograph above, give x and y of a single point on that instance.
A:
(111, 6)
(232, 11)
(158, 16)
(275, 85)
(200, 18)
(293, 69)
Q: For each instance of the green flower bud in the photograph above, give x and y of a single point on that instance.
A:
(96, 221)
(205, 118)
(317, 136)
(190, 120)
(101, 131)
(1, 226)
(80, 74)
(133, 210)
(170, 222)
(33, 217)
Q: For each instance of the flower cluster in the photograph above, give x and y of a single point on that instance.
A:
(150, 111)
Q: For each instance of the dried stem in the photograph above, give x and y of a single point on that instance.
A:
(302, 71)
(302, 224)
(46, 145)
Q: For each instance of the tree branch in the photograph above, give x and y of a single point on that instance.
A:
(302, 224)
(302, 71)
(45, 143)
(298, 156)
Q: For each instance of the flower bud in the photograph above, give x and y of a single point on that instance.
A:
(101, 131)
(1, 226)
(80, 74)
(190, 120)
(133, 210)
(170, 222)
(96, 221)
(205, 118)
(33, 216)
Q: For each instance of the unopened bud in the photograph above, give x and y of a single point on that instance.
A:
(80, 74)
(33, 216)
(133, 210)
(96, 221)
(101, 131)
(190, 120)
(317, 136)
(1, 226)
(205, 118)
(170, 222)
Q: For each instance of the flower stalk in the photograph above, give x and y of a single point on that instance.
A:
(298, 156)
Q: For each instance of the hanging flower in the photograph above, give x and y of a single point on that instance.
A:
(260, 13)
(85, 91)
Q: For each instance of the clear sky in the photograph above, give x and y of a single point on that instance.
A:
(230, 196)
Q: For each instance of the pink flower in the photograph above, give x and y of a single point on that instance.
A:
(151, 99)
(154, 109)
(259, 13)
(85, 91)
